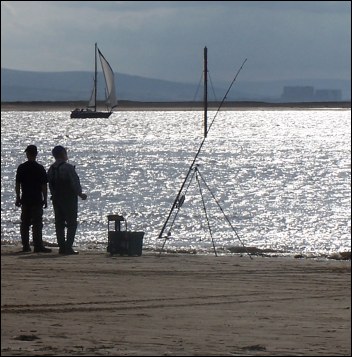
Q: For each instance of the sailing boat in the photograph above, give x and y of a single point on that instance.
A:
(111, 101)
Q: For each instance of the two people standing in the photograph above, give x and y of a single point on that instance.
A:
(31, 196)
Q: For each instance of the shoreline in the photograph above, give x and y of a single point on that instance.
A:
(101, 248)
(97, 304)
(173, 106)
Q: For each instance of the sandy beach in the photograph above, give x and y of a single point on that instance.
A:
(181, 305)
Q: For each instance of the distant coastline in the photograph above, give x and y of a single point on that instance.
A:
(134, 105)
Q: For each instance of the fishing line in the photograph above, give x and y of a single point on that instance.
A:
(196, 93)
(223, 99)
(205, 210)
(227, 219)
(197, 90)
(212, 87)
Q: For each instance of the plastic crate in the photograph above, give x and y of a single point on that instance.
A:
(125, 243)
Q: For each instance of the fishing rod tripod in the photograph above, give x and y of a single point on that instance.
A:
(181, 199)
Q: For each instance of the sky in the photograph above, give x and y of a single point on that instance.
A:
(165, 39)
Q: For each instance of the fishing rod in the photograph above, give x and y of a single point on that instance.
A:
(179, 200)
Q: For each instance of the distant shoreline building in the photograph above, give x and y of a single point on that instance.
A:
(309, 94)
(328, 95)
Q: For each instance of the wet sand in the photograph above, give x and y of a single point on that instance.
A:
(178, 305)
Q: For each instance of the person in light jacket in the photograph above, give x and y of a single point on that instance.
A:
(65, 188)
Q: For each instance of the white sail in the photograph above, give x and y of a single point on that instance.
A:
(109, 80)
(91, 102)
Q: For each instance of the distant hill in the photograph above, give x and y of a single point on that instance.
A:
(76, 86)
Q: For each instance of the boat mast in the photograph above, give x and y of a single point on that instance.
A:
(95, 79)
(205, 91)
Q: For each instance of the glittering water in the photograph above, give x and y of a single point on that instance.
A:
(281, 177)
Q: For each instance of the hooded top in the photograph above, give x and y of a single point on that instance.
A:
(64, 182)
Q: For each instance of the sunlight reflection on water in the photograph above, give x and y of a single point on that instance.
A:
(282, 177)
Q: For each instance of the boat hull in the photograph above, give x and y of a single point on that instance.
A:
(89, 114)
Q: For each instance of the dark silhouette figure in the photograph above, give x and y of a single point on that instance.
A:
(65, 188)
(31, 196)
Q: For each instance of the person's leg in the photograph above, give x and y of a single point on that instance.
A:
(71, 209)
(37, 226)
(37, 229)
(59, 225)
(24, 228)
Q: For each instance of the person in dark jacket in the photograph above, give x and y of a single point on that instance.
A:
(31, 196)
(65, 188)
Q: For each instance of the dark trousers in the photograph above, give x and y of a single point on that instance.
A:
(65, 216)
(32, 216)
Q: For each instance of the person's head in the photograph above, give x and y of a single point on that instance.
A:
(59, 152)
(31, 152)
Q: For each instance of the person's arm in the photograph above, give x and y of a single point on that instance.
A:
(83, 196)
(76, 184)
(45, 195)
(18, 194)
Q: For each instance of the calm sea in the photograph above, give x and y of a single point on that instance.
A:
(281, 178)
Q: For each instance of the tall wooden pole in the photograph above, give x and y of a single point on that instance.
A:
(205, 91)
